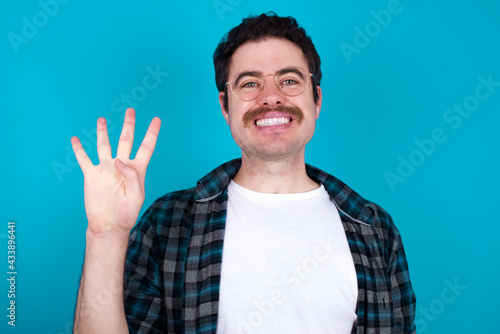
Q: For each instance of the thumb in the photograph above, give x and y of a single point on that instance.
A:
(131, 176)
(124, 170)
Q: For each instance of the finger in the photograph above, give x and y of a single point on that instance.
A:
(127, 135)
(148, 143)
(81, 156)
(103, 147)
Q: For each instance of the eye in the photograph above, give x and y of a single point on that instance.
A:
(249, 83)
(289, 82)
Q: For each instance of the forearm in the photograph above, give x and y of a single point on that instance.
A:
(100, 306)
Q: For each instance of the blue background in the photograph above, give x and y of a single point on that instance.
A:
(74, 65)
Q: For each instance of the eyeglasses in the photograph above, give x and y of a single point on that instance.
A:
(291, 81)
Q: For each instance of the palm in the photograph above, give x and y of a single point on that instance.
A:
(114, 193)
(107, 202)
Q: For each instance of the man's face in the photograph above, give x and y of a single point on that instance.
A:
(255, 137)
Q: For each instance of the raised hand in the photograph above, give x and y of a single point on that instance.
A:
(114, 189)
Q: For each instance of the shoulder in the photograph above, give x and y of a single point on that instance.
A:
(178, 209)
(366, 215)
(166, 212)
(174, 200)
(347, 200)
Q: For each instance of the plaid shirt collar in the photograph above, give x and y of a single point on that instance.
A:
(349, 204)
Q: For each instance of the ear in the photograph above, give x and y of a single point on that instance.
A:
(320, 100)
(224, 111)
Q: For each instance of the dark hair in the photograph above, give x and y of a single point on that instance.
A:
(258, 28)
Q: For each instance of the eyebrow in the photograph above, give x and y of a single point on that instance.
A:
(244, 74)
(259, 73)
(290, 70)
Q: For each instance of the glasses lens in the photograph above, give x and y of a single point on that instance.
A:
(294, 82)
(247, 87)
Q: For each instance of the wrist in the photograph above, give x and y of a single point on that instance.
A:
(106, 235)
(109, 243)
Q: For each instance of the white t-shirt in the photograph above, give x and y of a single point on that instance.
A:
(286, 265)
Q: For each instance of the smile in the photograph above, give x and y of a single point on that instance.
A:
(273, 121)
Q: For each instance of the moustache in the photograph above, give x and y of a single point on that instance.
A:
(251, 114)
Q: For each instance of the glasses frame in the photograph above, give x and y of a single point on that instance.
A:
(275, 75)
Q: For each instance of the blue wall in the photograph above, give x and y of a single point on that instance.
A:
(409, 120)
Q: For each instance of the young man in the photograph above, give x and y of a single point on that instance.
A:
(262, 244)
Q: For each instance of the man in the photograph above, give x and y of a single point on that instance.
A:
(263, 244)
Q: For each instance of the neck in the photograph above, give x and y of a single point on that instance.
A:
(284, 176)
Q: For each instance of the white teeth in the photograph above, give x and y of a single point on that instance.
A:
(273, 121)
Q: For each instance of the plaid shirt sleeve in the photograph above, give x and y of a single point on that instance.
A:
(403, 296)
(396, 275)
(143, 287)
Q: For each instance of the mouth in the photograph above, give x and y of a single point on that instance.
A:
(273, 121)
(276, 116)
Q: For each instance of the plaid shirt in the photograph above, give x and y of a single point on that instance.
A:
(173, 264)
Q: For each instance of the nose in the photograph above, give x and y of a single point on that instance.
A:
(270, 94)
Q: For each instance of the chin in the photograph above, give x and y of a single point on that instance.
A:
(274, 153)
